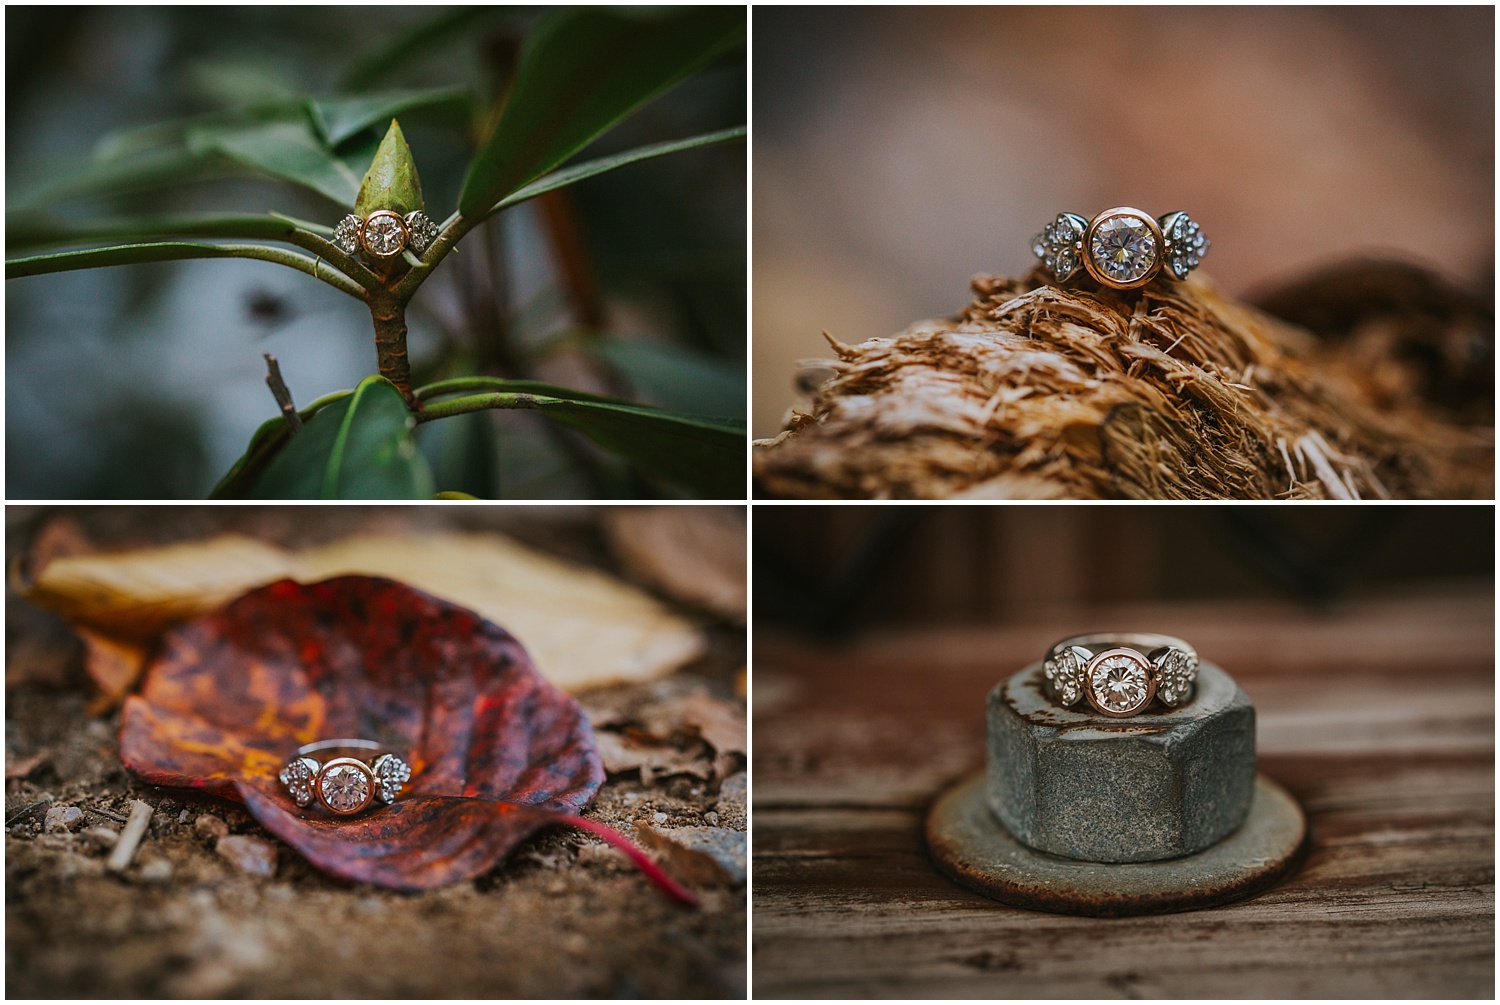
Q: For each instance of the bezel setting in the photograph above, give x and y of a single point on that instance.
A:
(337, 768)
(376, 222)
(1095, 682)
(1096, 269)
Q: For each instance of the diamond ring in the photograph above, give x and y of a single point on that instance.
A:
(1119, 674)
(385, 234)
(344, 785)
(1121, 248)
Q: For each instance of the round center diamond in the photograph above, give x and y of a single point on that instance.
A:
(1123, 248)
(1119, 684)
(384, 235)
(345, 788)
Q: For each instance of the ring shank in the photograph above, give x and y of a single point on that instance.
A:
(347, 744)
(1142, 642)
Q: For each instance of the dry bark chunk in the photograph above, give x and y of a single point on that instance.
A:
(1173, 391)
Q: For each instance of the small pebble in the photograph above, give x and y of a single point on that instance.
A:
(210, 826)
(63, 818)
(249, 854)
(711, 818)
(184, 816)
(158, 870)
(104, 837)
(659, 817)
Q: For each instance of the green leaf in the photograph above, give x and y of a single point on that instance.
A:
(392, 182)
(344, 117)
(139, 254)
(675, 377)
(462, 454)
(31, 230)
(703, 454)
(149, 169)
(265, 442)
(358, 447)
(575, 173)
(287, 148)
(378, 64)
(582, 70)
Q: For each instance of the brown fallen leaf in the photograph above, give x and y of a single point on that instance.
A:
(692, 554)
(699, 856)
(25, 766)
(722, 724)
(113, 665)
(58, 537)
(653, 760)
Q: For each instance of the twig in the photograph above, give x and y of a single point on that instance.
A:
(130, 837)
(281, 394)
(22, 814)
(107, 813)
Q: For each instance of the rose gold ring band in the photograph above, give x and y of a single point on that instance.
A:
(345, 785)
(1120, 674)
(1121, 248)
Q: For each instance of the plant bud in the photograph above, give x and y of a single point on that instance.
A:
(392, 182)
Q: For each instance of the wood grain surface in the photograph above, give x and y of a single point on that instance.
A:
(1379, 716)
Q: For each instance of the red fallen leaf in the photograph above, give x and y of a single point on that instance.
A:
(496, 752)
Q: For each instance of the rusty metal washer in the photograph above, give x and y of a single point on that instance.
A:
(970, 846)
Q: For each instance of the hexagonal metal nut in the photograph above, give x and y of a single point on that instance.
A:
(1142, 789)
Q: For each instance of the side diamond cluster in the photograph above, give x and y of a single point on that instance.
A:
(392, 774)
(1175, 673)
(423, 231)
(1057, 246)
(346, 234)
(297, 776)
(1186, 245)
(1063, 672)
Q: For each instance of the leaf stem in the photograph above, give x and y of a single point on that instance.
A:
(479, 402)
(653, 872)
(458, 385)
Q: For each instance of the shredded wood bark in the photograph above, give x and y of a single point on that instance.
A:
(1171, 392)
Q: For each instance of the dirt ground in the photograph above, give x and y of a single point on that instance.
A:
(564, 916)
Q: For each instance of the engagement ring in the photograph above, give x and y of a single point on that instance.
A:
(345, 785)
(384, 234)
(1120, 674)
(1121, 248)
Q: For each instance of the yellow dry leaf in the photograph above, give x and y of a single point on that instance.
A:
(583, 628)
(135, 595)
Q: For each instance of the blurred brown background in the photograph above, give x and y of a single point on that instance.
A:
(832, 571)
(898, 151)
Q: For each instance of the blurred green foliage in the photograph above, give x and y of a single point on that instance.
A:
(637, 301)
